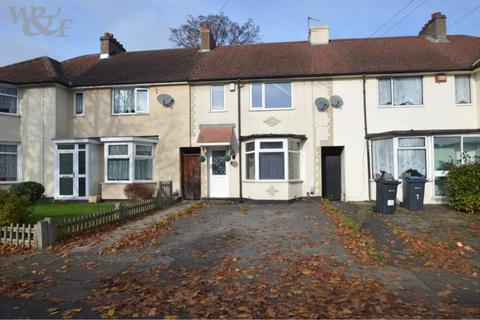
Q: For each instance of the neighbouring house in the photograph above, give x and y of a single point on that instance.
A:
(270, 121)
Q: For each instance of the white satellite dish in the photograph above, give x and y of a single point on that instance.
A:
(336, 101)
(165, 99)
(322, 104)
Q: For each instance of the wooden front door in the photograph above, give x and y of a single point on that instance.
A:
(191, 174)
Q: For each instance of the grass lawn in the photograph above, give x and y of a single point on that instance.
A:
(60, 210)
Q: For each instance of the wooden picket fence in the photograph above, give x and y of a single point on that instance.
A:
(19, 235)
(45, 232)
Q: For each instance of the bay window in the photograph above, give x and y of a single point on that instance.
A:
(130, 101)
(271, 96)
(401, 91)
(126, 162)
(449, 150)
(8, 163)
(8, 100)
(272, 159)
(400, 157)
(462, 90)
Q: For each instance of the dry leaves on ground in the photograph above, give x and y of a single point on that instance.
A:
(297, 286)
(353, 237)
(7, 249)
(154, 232)
(439, 254)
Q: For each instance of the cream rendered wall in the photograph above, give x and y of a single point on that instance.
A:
(171, 124)
(38, 128)
(10, 128)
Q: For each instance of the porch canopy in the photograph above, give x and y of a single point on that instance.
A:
(215, 136)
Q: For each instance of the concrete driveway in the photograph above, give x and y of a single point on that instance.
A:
(227, 260)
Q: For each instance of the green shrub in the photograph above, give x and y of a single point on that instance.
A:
(138, 191)
(32, 190)
(13, 209)
(463, 186)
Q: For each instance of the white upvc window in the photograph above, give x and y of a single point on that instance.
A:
(400, 91)
(272, 159)
(129, 162)
(130, 101)
(449, 149)
(400, 157)
(462, 89)
(9, 162)
(78, 104)
(271, 95)
(217, 98)
(8, 100)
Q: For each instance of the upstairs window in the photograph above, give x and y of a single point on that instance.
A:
(8, 100)
(271, 96)
(8, 162)
(78, 108)
(404, 91)
(217, 98)
(462, 90)
(130, 101)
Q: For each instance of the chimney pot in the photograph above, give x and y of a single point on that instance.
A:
(436, 28)
(207, 40)
(318, 34)
(109, 46)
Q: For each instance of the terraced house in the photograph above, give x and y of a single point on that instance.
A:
(268, 121)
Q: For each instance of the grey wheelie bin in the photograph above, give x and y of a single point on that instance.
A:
(386, 196)
(413, 192)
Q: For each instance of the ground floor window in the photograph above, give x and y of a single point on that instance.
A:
(400, 157)
(8, 162)
(449, 149)
(272, 159)
(128, 162)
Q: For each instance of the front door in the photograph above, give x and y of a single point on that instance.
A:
(190, 173)
(218, 169)
(332, 173)
(72, 171)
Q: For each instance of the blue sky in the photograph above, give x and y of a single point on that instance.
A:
(144, 24)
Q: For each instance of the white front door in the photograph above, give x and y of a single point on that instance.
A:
(218, 173)
(71, 171)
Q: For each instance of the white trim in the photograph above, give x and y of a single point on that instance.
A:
(135, 90)
(393, 105)
(212, 144)
(226, 176)
(224, 98)
(128, 139)
(75, 175)
(283, 150)
(17, 113)
(80, 141)
(131, 156)
(263, 107)
(469, 90)
(75, 114)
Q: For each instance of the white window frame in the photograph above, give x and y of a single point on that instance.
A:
(75, 114)
(285, 152)
(135, 90)
(18, 154)
(444, 173)
(263, 107)
(396, 174)
(393, 105)
(131, 156)
(469, 89)
(211, 98)
(13, 96)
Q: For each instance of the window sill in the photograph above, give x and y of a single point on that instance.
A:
(8, 182)
(10, 114)
(401, 106)
(218, 111)
(271, 109)
(272, 181)
(131, 114)
(128, 182)
(78, 116)
(463, 104)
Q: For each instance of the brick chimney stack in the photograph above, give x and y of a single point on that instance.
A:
(109, 46)
(207, 41)
(436, 28)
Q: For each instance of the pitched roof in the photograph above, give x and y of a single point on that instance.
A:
(215, 135)
(264, 60)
